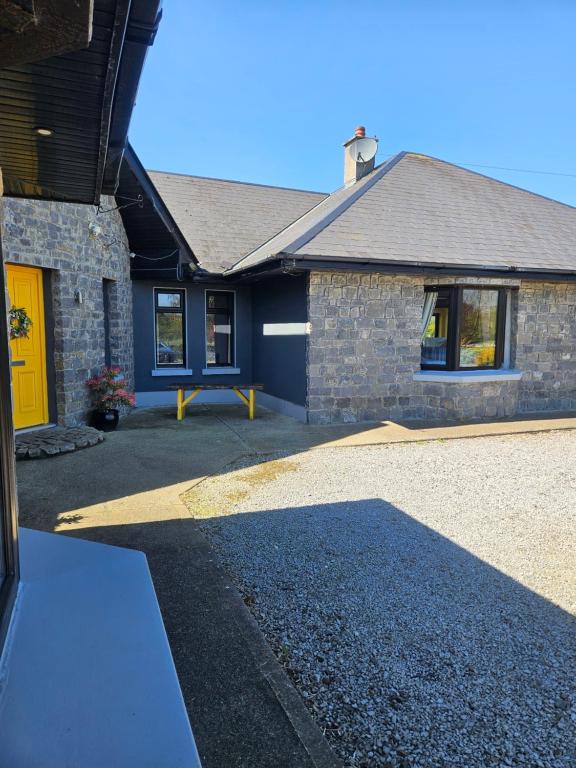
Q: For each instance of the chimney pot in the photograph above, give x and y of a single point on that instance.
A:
(360, 132)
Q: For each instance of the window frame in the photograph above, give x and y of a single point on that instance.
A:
(175, 311)
(8, 496)
(454, 324)
(207, 292)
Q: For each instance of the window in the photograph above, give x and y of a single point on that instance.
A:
(219, 328)
(463, 328)
(170, 333)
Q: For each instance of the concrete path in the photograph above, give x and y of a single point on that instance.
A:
(272, 432)
(126, 491)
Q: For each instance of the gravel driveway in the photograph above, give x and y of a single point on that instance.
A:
(421, 596)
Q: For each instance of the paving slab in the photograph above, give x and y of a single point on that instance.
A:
(272, 432)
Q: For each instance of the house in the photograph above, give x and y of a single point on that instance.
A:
(74, 286)
(419, 290)
(86, 673)
(76, 290)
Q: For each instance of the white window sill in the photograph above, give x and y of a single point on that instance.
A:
(225, 369)
(172, 372)
(468, 377)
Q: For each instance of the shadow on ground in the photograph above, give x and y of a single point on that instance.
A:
(441, 654)
(151, 451)
(237, 718)
(127, 492)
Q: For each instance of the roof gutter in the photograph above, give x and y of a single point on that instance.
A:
(285, 263)
(135, 34)
(116, 44)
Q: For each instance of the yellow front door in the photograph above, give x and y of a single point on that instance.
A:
(29, 390)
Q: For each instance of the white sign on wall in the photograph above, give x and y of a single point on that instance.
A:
(286, 329)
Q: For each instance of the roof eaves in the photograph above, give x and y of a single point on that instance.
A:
(119, 26)
(310, 262)
(162, 210)
(355, 192)
(139, 34)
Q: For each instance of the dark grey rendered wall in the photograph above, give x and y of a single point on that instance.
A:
(280, 361)
(143, 308)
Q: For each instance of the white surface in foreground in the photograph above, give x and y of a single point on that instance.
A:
(87, 678)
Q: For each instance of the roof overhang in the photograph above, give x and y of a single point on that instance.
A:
(153, 235)
(31, 30)
(85, 98)
(284, 263)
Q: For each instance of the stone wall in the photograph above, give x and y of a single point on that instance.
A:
(55, 237)
(546, 343)
(364, 349)
(364, 346)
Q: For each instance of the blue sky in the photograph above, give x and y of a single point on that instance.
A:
(268, 91)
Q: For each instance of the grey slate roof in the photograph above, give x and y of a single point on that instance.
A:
(222, 221)
(418, 210)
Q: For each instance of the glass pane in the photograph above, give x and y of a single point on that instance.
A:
(169, 338)
(435, 334)
(220, 300)
(173, 300)
(478, 328)
(218, 338)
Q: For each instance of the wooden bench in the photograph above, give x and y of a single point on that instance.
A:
(195, 389)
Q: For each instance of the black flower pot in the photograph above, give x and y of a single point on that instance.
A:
(105, 421)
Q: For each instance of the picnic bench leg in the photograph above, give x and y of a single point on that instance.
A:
(182, 401)
(249, 401)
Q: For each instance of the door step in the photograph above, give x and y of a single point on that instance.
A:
(43, 443)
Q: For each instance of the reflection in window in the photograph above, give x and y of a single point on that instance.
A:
(435, 328)
(463, 328)
(173, 300)
(170, 334)
(219, 328)
(478, 322)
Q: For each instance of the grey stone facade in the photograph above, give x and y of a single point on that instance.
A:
(55, 237)
(364, 349)
(546, 346)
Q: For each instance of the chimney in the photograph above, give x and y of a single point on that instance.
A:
(359, 154)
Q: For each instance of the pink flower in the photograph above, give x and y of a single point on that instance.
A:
(110, 389)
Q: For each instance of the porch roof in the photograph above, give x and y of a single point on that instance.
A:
(84, 97)
(157, 242)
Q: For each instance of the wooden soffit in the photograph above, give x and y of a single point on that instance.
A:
(32, 30)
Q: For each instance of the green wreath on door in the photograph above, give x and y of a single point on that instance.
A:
(19, 323)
